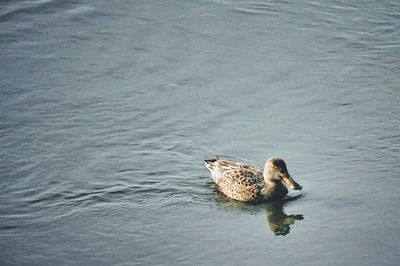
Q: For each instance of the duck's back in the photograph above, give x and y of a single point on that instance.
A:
(239, 181)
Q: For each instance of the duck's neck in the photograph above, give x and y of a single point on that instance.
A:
(274, 189)
(269, 177)
(272, 184)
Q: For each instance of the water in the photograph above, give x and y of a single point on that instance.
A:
(108, 108)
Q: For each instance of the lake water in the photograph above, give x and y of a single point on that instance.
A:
(108, 109)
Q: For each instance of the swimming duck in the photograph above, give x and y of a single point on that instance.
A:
(252, 183)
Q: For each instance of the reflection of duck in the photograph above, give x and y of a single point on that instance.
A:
(278, 221)
(251, 183)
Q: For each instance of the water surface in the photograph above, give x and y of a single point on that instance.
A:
(108, 108)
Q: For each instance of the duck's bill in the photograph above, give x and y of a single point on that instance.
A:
(291, 183)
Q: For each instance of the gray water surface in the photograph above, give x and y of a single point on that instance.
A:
(108, 108)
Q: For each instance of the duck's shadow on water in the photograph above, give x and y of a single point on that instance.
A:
(277, 220)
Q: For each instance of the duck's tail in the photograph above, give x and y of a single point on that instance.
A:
(211, 162)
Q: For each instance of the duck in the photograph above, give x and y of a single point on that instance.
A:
(252, 183)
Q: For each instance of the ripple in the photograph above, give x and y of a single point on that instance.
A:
(33, 7)
(256, 9)
(99, 156)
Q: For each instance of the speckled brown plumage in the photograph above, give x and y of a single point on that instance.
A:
(251, 183)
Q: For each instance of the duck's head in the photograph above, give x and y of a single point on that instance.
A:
(275, 170)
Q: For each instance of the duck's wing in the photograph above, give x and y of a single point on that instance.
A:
(229, 165)
(243, 176)
(219, 167)
(241, 184)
